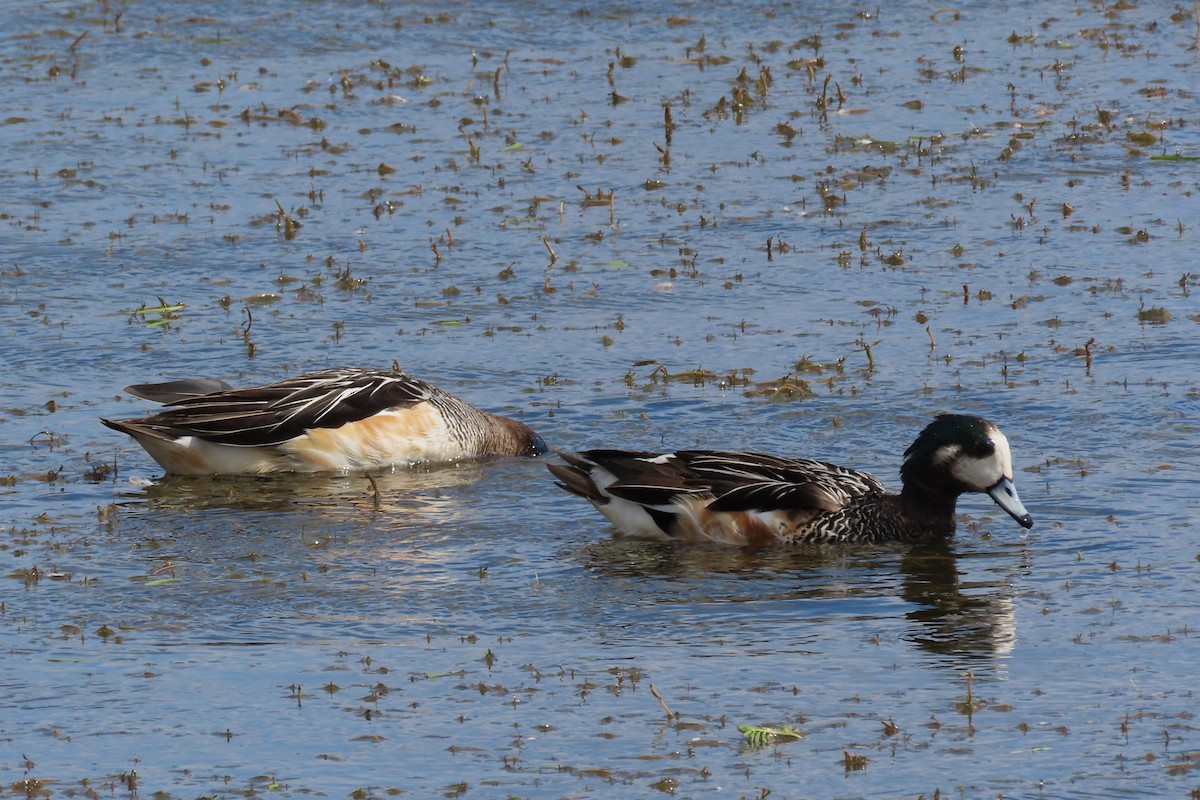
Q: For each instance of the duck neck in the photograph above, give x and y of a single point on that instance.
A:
(933, 509)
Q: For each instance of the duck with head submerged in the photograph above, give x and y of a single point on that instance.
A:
(757, 500)
(336, 420)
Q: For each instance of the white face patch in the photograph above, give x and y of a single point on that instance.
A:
(1003, 453)
(946, 454)
(982, 473)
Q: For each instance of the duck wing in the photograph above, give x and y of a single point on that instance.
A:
(736, 481)
(272, 414)
(648, 479)
(755, 482)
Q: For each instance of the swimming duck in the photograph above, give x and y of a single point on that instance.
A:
(756, 500)
(331, 420)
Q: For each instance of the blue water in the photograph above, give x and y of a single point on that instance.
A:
(474, 631)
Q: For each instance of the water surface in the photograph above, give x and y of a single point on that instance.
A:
(623, 225)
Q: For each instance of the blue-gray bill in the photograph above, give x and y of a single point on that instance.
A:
(1005, 495)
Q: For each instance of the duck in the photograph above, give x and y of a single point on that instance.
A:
(755, 500)
(332, 420)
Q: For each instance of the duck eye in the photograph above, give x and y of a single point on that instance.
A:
(984, 449)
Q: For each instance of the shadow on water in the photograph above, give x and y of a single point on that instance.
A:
(948, 613)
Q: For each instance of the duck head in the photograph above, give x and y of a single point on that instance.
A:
(965, 454)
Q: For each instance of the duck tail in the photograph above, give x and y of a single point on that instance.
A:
(134, 428)
(172, 392)
(575, 477)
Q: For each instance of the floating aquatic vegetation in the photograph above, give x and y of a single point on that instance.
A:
(1155, 315)
(853, 762)
(761, 736)
(786, 388)
(599, 198)
(161, 315)
(285, 223)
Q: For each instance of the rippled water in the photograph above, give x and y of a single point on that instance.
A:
(990, 217)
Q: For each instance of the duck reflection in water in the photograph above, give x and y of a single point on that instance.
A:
(401, 495)
(958, 603)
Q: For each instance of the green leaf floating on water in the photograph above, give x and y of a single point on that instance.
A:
(757, 736)
(1175, 157)
(156, 309)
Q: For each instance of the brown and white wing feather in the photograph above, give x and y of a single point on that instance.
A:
(269, 415)
(710, 494)
(777, 496)
(749, 481)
